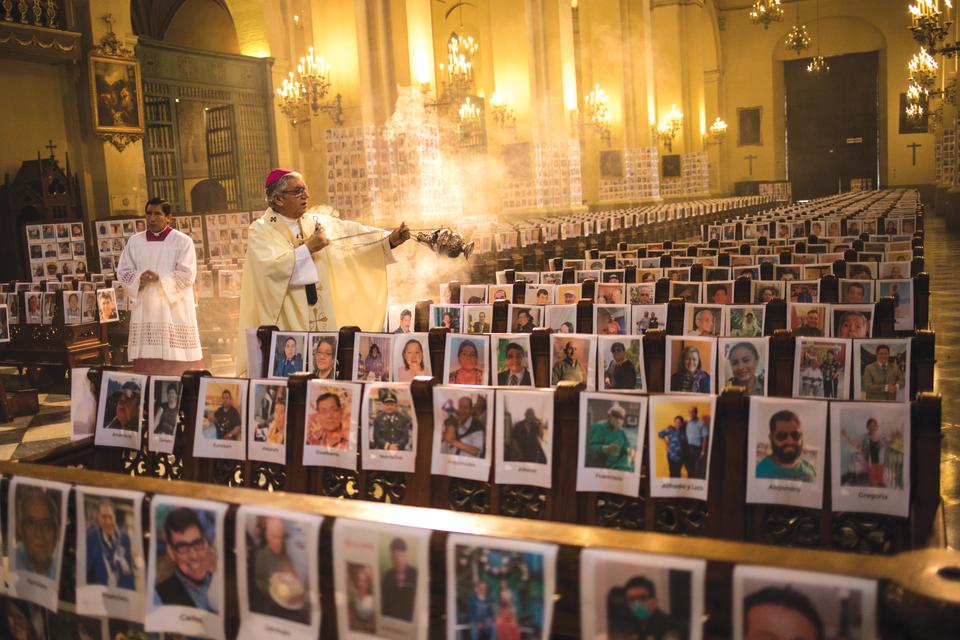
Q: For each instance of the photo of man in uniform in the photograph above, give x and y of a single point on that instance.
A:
(391, 427)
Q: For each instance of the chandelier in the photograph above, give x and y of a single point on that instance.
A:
(798, 39)
(717, 131)
(668, 128)
(818, 65)
(501, 108)
(301, 94)
(765, 12)
(598, 111)
(456, 76)
(930, 21)
(923, 69)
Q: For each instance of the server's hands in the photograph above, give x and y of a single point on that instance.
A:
(399, 235)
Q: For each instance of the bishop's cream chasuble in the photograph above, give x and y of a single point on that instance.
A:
(351, 278)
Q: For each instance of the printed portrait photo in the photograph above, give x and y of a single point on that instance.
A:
(608, 293)
(332, 419)
(110, 580)
(120, 409)
(512, 360)
(446, 316)
(622, 363)
(744, 321)
(525, 436)
(881, 369)
(277, 565)
(411, 357)
(268, 412)
(803, 291)
(49, 307)
(788, 440)
(361, 598)
(4, 322)
(856, 291)
(636, 595)
(561, 318)
(808, 320)
(33, 303)
(611, 319)
(539, 294)
(794, 604)
(473, 294)
(572, 359)
(902, 293)
(499, 588)
(322, 355)
(497, 293)
(821, 368)
(680, 437)
(524, 318)
(690, 364)
(871, 457)
(463, 427)
(643, 293)
(107, 306)
(400, 318)
(703, 320)
(687, 291)
(466, 359)
(568, 293)
(372, 354)
(287, 354)
(852, 320)
(719, 292)
(744, 363)
(648, 316)
(478, 318)
(763, 291)
(185, 569)
(221, 418)
(611, 440)
(389, 427)
(36, 515)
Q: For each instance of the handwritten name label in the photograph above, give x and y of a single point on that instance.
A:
(225, 445)
(117, 597)
(783, 487)
(188, 618)
(680, 486)
(277, 630)
(36, 583)
(873, 496)
(607, 476)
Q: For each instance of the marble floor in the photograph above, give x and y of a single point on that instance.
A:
(51, 426)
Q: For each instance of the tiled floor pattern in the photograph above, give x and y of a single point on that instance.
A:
(50, 427)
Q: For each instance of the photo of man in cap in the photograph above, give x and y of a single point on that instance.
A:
(391, 427)
(123, 406)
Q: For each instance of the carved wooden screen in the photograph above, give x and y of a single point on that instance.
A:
(200, 106)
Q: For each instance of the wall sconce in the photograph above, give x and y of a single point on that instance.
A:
(298, 23)
(668, 128)
(501, 108)
(598, 111)
(302, 93)
(717, 131)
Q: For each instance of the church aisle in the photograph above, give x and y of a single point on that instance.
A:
(940, 248)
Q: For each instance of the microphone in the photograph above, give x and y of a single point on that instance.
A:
(311, 291)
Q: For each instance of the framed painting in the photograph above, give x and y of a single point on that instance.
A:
(912, 125)
(748, 130)
(116, 95)
(670, 166)
(611, 164)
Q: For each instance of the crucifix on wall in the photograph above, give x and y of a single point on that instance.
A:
(914, 148)
(750, 158)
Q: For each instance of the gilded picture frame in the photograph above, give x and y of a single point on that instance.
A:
(116, 95)
(749, 126)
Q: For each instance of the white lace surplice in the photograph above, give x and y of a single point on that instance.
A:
(163, 317)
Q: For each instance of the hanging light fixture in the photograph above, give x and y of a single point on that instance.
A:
(818, 66)
(598, 111)
(798, 39)
(765, 12)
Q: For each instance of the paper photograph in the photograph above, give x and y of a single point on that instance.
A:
(524, 437)
(390, 428)
(611, 440)
(462, 432)
(332, 421)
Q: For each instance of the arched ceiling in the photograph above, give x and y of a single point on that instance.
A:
(151, 18)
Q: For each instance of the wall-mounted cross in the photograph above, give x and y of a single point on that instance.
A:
(914, 148)
(51, 146)
(750, 158)
(109, 20)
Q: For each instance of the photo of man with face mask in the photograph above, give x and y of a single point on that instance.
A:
(634, 612)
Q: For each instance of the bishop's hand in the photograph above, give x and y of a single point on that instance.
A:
(399, 235)
(318, 240)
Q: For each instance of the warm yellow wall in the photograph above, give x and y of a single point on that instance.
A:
(26, 126)
(753, 76)
(203, 24)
